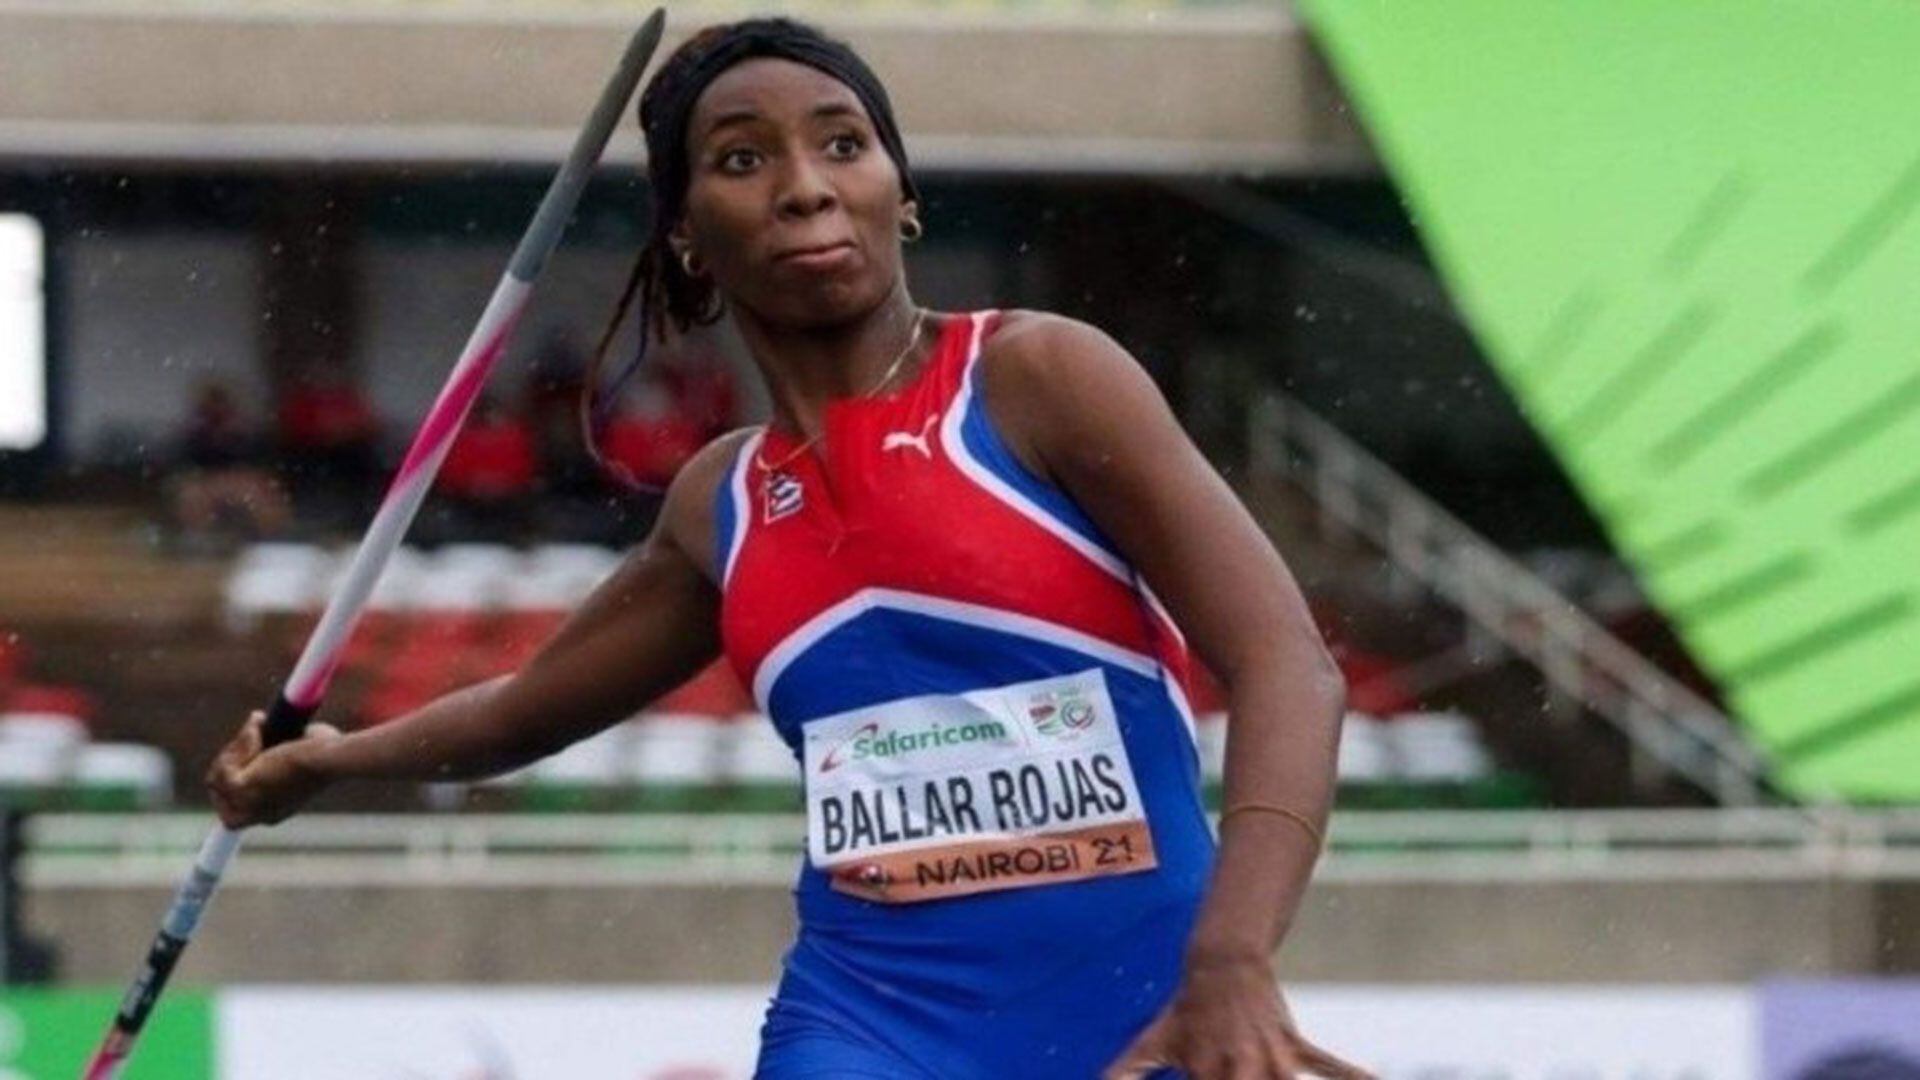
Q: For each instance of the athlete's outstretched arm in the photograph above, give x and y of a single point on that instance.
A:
(1080, 411)
(651, 625)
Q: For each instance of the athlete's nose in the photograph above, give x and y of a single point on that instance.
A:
(805, 189)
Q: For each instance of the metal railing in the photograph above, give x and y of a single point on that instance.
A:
(335, 851)
(1665, 723)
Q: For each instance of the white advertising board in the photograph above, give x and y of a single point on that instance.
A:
(518, 1033)
(1536, 1033)
(1402, 1033)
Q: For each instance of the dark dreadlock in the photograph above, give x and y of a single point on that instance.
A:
(669, 296)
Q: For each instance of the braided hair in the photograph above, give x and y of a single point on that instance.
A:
(670, 298)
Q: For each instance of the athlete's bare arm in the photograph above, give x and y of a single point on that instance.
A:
(652, 624)
(1078, 410)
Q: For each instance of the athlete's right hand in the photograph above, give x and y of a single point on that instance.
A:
(254, 786)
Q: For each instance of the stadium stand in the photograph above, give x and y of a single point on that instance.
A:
(466, 612)
(48, 757)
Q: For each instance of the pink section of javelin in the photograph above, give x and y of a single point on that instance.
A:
(314, 690)
(417, 469)
(443, 423)
(106, 1064)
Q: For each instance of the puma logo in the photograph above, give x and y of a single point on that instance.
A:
(898, 440)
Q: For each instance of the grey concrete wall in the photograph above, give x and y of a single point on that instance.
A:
(150, 317)
(1235, 88)
(1566, 931)
(1584, 931)
(569, 934)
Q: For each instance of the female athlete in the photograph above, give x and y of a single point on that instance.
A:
(955, 568)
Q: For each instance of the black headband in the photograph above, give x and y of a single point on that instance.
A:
(667, 105)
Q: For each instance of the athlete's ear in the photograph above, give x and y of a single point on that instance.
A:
(680, 240)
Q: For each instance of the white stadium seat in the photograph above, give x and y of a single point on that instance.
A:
(399, 582)
(124, 775)
(57, 730)
(1366, 755)
(276, 579)
(602, 760)
(1439, 747)
(1210, 735)
(677, 750)
(34, 766)
(754, 753)
(759, 770)
(559, 576)
(466, 577)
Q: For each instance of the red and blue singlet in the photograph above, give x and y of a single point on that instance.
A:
(1006, 841)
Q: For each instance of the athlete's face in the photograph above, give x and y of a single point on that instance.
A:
(793, 205)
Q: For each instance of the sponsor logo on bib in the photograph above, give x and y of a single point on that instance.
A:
(1061, 714)
(868, 741)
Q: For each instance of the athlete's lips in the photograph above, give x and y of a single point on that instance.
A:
(817, 256)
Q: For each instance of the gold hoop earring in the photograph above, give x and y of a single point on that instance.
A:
(911, 229)
(688, 266)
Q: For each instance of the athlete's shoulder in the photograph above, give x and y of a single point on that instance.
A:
(1034, 349)
(1025, 330)
(1039, 372)
(1034, 358)
(686, 516)
(716, 458)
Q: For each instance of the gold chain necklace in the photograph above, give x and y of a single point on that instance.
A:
(919, 319)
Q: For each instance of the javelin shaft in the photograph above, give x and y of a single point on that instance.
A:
(307, 685)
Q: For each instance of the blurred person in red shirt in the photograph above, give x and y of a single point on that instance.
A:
(329, 440)
(550, 401)
(491, 473)
(702, 388)
(652, 434)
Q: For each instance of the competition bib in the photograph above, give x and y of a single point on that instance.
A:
(950, 794)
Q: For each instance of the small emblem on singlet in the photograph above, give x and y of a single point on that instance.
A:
(784, 495)
(908, 440)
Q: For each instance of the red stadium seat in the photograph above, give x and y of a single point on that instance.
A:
(713, 692)
(521, 633)
(14, 656)
(45, 698)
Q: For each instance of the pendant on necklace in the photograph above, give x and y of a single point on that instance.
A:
(783, 496)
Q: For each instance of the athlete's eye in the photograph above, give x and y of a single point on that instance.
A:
(739, 159)
(846, 145)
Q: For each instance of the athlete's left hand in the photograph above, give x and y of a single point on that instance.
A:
(1229, 1022)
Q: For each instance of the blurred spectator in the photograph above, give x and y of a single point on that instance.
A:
(488, 479)
(221, 492)
(652, 435)
(702, 388)
(329, 441)
(552, 404)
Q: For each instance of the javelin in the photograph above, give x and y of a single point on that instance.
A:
(300, 698)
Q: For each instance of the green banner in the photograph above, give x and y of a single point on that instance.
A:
(1685, 231)
(50, 1035)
